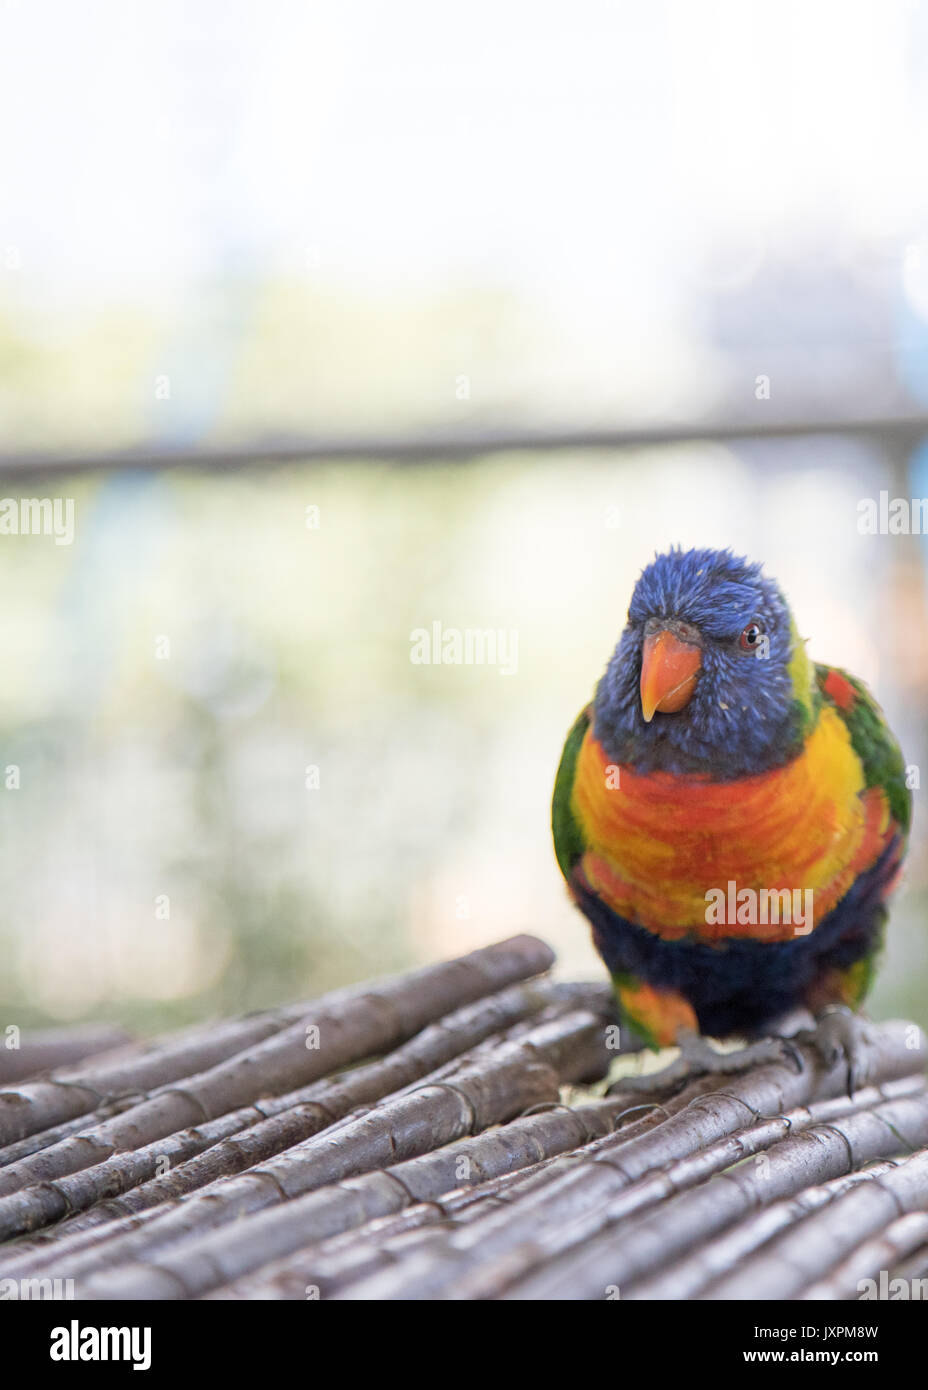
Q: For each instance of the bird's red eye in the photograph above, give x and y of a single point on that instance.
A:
(750, 637)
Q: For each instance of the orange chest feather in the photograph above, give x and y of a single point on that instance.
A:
(660, 848)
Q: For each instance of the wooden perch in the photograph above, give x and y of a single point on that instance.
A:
(434, 1136)
(57, 1047)
(272, 1124)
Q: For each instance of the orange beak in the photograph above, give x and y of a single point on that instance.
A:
(669, 669)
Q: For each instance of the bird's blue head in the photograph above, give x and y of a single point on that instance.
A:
(709, 676)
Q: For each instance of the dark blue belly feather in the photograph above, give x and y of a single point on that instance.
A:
(742, 986)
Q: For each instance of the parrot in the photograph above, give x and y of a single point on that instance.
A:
(731, 818)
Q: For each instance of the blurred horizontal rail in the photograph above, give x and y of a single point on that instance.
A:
(461, 444)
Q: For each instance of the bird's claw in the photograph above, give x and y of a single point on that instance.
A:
(840, 1033)
(699, 1058)
(650, 1083)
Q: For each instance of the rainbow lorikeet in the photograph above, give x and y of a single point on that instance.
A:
(729, 816)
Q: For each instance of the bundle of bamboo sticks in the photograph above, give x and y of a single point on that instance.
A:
(451, 1134)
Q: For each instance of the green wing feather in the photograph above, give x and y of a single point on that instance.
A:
(568, 837)
(873, 743)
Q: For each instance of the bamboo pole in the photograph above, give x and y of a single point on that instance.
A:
(428, 1137)
(234, 1064)
(49, 1188)
(34, 1106)
(806, 1251)
(689, 1277)
(492, 1089)
(42, 1050)
(652, 1242)
(332, 1035)
(571, 1205)
(406, 1192)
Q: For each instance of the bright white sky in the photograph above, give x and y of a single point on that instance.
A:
(576, 153)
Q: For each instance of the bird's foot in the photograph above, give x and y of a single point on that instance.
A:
(837, 1033)
(700, 1053)
(840, 1033)
(698, 1057)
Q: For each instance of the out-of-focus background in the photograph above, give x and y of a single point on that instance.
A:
(349, 272)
